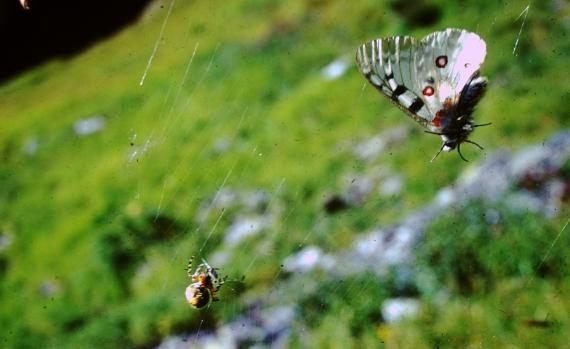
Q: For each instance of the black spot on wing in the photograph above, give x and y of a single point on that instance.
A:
(375, 79)
(400, 89)
(416, 105)
(378, 83)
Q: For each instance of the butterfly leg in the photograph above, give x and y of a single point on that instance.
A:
(475, 144)
(461, 155)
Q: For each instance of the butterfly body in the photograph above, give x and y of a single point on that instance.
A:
(435, 81)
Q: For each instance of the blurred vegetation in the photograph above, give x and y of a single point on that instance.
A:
(101, 226)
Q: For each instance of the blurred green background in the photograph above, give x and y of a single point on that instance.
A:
(97, 228)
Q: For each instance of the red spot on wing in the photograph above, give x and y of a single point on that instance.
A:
(428, 91)
(437, 120)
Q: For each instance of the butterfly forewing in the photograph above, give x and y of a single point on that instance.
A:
(389, 65)
(406, 61)
(404, 71)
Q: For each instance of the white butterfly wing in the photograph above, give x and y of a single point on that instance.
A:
(422, 78)
(452, 57)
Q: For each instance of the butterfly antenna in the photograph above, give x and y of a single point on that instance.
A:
(475, 144)
(459, 151)
(480, 125)
(435, 156)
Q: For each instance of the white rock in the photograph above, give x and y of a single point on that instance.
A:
(370, 244)
(392, 185)
(335, 69)
(89, 125)
(305, 260)
(244, 227)
(396, 309)
(371, 148)
(445, 197)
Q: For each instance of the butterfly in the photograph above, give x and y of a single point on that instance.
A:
(435, 81)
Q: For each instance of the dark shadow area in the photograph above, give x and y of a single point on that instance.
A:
(57, 28)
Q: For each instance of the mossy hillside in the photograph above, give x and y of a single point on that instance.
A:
(83, 210)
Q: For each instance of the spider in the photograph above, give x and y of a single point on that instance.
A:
(206, 283)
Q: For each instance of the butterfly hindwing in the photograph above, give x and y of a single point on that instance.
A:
(452, 57)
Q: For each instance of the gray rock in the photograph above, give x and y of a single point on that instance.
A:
(267, 328)
(308, 259)
(371, 148)
(244, 227)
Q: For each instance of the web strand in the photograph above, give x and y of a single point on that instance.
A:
(157, 43)
(525, 12)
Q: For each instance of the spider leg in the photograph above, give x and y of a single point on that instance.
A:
(214, 273)
(221, 281)
(189, 270)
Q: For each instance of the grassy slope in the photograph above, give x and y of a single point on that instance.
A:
(83, 216)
